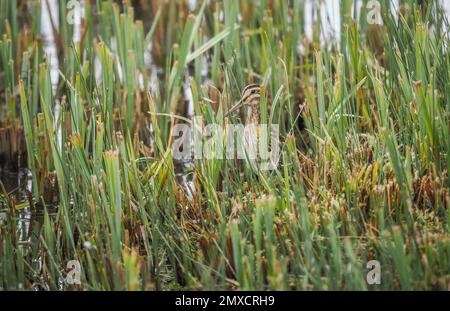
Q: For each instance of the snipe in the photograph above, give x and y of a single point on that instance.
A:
(251, 97)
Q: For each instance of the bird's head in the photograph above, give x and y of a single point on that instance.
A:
(251, 95)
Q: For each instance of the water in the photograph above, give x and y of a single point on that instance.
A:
(17, 186)
(50, 19)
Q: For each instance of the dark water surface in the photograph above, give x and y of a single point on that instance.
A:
(16, 190)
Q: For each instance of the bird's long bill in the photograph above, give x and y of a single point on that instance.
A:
(234, 108)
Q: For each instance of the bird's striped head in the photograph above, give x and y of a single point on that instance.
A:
(251, 96)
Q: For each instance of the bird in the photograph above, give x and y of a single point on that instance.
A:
(251, 97)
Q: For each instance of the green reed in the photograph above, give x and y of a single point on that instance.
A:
(367, 179)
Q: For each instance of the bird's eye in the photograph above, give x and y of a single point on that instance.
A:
(253, 91)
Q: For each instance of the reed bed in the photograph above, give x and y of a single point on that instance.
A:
(365, 176)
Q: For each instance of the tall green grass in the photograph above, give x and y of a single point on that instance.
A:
(367, 179)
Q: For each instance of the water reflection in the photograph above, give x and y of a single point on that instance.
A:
(17, 190)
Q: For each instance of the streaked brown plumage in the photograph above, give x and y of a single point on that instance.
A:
(251, 96)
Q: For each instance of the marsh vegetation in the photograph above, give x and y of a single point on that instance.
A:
(87, 169)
